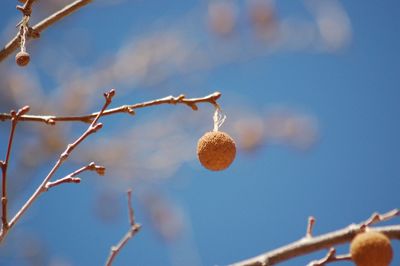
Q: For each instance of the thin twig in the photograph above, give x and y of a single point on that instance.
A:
(376, 217)
(71, 178)
(310, 226)
(330, 257)
(4, 164)
(308, 245)
(35, 31)
(130, 208)
(133, 229)
(67, 179)
(94, 126)
(130, 109)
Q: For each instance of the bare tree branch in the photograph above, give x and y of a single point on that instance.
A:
(35, 31)
(308, 245)
(71, 178)
(4, 164)
(330, 257)
(94, 126)
(130, 109)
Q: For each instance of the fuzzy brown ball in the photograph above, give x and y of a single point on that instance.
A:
(216, 150)
(371, 249)
(22, 58)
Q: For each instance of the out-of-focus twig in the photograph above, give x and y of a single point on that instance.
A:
(35, 31)
(133, 230)
(310, 244)
(130, 109)
(94, 126)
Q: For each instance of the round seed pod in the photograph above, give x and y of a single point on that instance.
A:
(216, 150)
(371, 249)
(22, 58)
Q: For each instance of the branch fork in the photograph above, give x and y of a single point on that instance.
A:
(130, 109)
(94, 126)
(133, 230)
(46, 183)
(4, 164)
(72, 178)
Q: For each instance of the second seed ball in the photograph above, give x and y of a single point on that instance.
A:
(371, 249)
(216, 150)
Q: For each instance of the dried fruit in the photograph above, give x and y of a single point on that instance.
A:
(216, 150)
(371, 249)
(22, 58)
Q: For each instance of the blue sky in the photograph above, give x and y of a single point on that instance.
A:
(263, 200)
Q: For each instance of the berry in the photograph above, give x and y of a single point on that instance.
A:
(216, 150)
(22, 58)
(371, 249)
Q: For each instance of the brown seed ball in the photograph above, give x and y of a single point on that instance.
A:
(371, 249)
(216, 150)
(22, 58)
